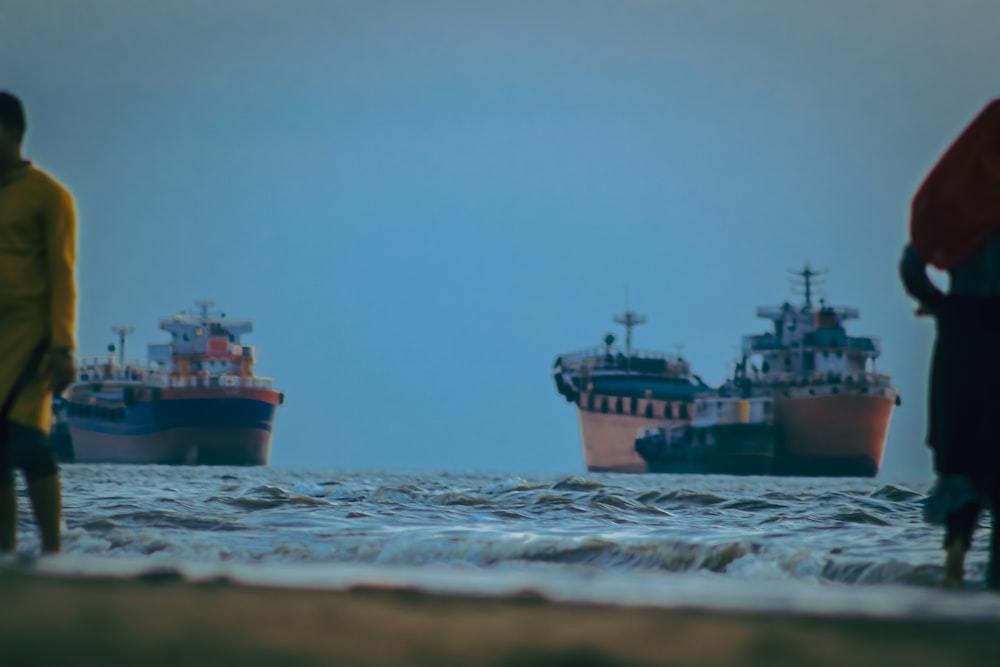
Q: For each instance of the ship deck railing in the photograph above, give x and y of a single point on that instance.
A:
(599, 357)
(139, 373)
(770, 343)
(101, 369)
(860, 378)
(212, 381)
(777, 313)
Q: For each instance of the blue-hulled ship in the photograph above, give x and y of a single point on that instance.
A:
(195, 400)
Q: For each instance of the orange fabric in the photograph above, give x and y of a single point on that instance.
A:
(957, 207)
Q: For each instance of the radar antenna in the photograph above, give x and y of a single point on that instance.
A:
(629, 319)
(805, 281)
(122, 331)
(206, 306)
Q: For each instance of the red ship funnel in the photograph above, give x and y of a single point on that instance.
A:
(957, 208)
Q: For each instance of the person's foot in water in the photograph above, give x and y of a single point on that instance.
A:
(954, 565)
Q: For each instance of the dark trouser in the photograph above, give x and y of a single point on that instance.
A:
(27, 449)
(964, 431)
(21, 446)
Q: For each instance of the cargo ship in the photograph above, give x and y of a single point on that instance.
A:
(195, 401)
(730, 434)
(619, 390)
(830, 407)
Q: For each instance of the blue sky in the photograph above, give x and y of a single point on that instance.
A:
(420, 204)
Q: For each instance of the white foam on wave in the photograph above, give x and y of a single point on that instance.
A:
(705, 591)
(801, 564)
(296, 537)
(308, 488)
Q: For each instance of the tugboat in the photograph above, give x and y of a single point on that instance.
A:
(831, 406)
(618, 391)
(196, 401)
(729, 435)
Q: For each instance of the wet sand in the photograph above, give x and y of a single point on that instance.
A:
(46, 620)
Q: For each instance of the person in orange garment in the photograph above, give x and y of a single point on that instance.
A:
(37, 327)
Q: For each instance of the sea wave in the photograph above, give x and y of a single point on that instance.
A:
(850, 532)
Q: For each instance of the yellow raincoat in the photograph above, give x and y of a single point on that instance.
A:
(37, 287)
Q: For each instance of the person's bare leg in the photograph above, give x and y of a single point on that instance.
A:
(46, 501)
(8, 517)
(993, 568)
(954, 564)
(959, 529)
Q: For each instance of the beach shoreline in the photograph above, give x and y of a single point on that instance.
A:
(160, 620)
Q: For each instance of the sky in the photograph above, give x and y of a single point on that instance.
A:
(421, 204)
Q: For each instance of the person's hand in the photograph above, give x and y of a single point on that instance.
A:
(58, 370)
(913, 270)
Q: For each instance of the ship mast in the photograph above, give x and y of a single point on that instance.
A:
(206, 306)
(805, 280)
(122, 331)
(629, 319)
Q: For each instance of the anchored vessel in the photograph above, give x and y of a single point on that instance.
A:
(832, 407)
(618, 391)
(195, 401)
(729, 435)
(820, 407)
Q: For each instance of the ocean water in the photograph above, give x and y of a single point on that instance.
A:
(767, 543)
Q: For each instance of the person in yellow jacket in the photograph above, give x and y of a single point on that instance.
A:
(37, 327)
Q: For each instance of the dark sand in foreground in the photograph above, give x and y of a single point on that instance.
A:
(56, 621)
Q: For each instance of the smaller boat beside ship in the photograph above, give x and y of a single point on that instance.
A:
(729, 435)
(196, 400)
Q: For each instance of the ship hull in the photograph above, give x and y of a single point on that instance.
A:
(833, 435)
(177, 446)
(609, 441)
(224, 426)
(609, 437)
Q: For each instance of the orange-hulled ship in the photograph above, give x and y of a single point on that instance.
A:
(831, 407)
(618, 392)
